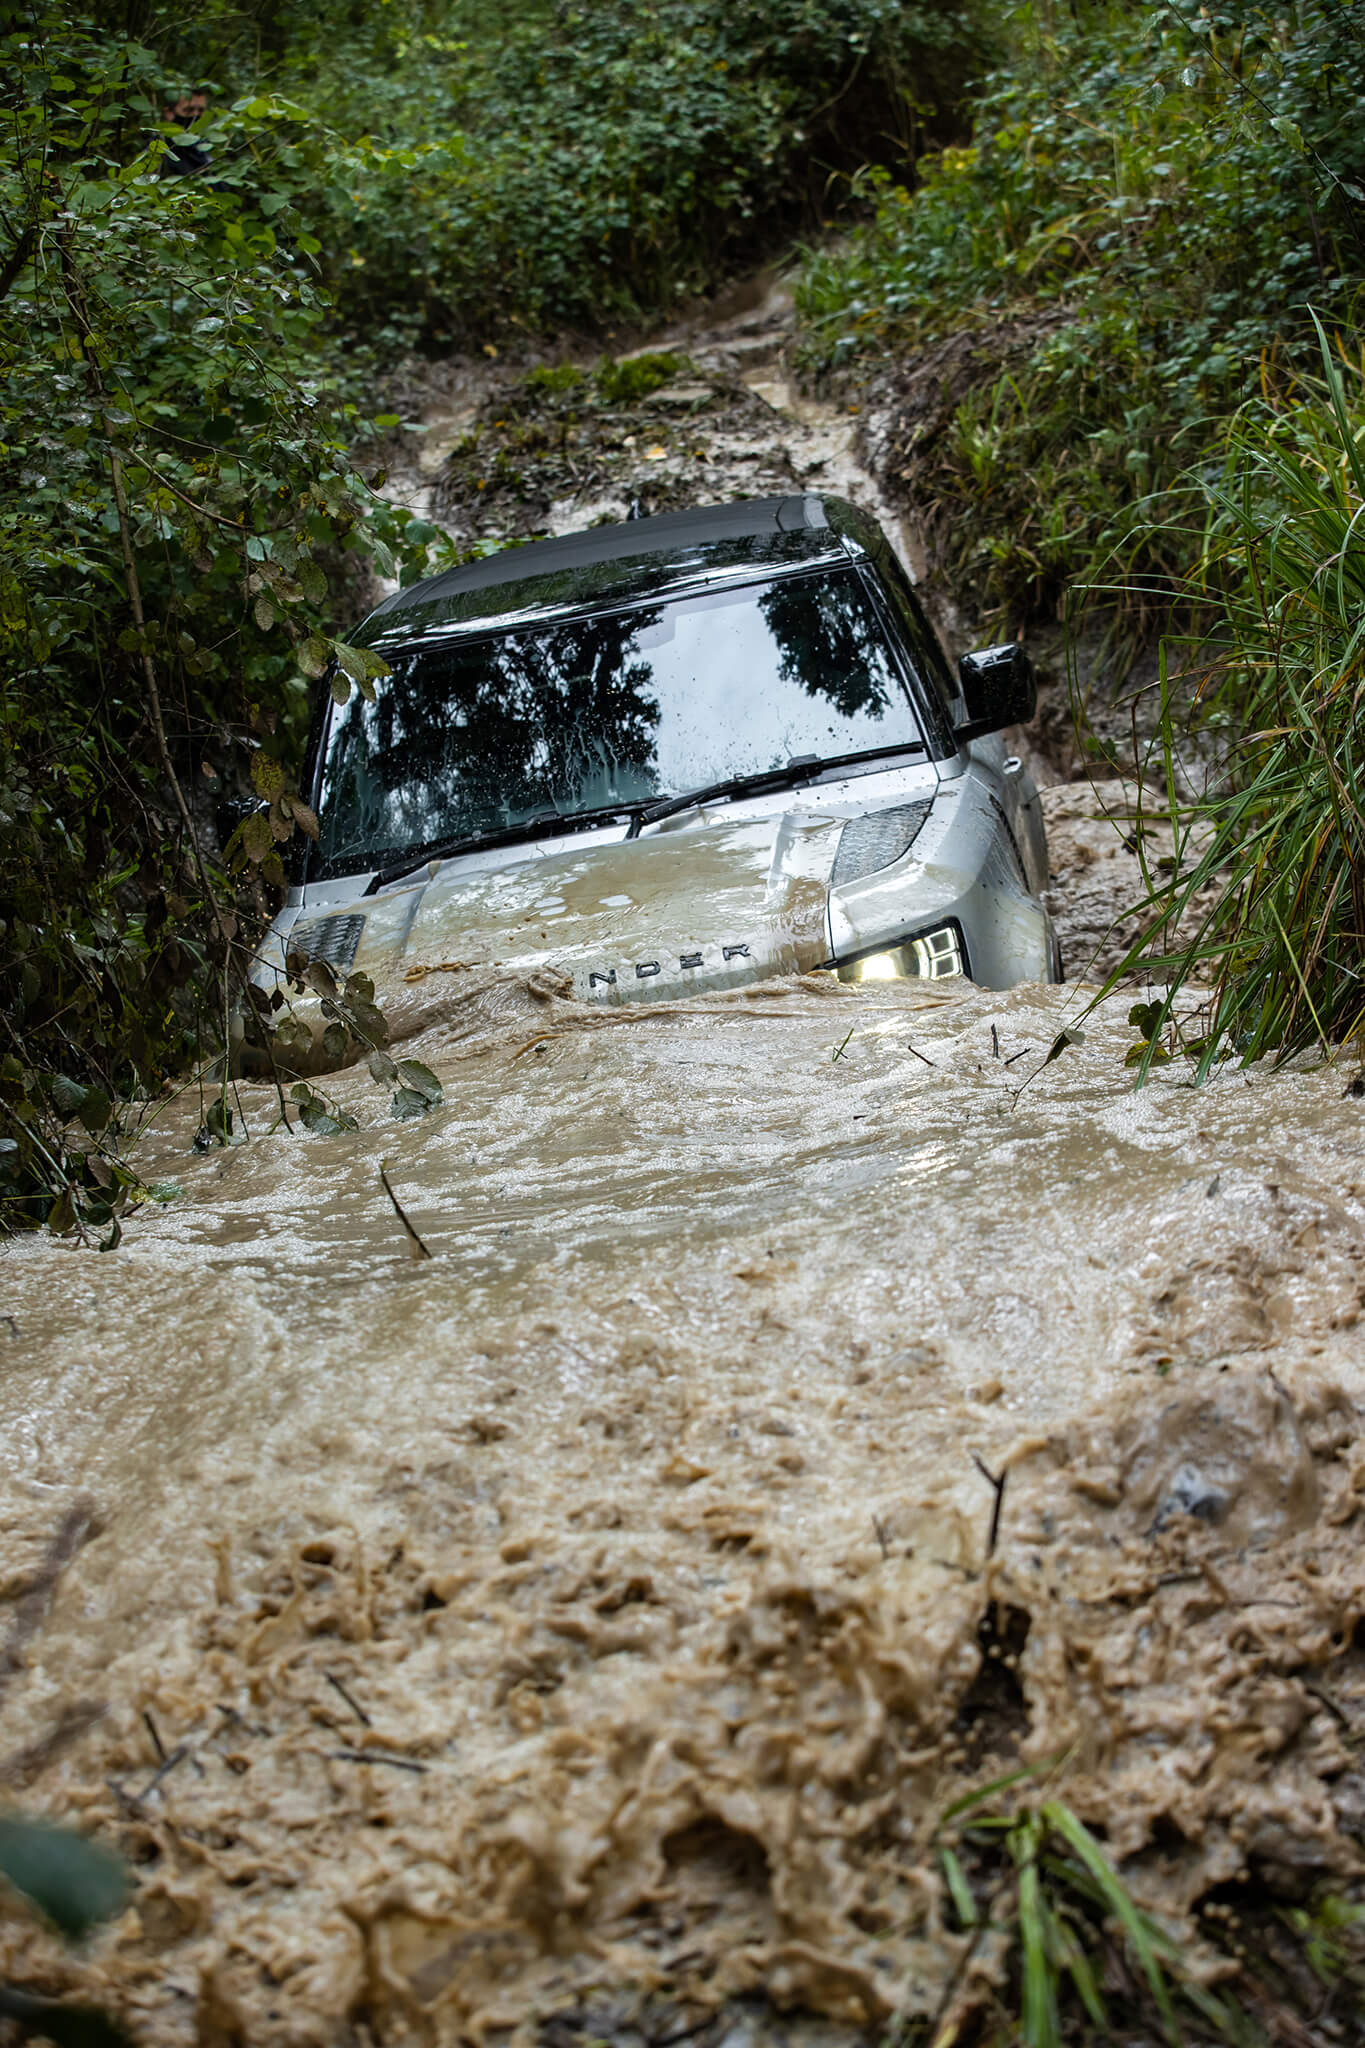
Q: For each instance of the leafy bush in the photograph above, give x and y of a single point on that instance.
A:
(567, 163)
(1149, 197)
(181, 521)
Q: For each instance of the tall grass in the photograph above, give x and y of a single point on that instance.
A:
(1073, 1930)
(1266, 900)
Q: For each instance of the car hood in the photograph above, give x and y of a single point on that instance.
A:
(708, 903)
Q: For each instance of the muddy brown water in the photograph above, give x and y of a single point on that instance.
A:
(604, 1600)
(599, 1616)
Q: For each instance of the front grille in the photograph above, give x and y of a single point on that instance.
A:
(877, 840)
(331, 939)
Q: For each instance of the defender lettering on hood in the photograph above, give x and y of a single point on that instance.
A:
(701, 967)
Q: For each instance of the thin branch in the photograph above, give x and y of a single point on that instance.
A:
(419, 1249)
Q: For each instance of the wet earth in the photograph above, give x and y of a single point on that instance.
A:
(813, 1404)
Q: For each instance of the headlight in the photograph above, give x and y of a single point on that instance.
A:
(931, 957)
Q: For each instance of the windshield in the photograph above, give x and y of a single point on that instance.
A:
(485, 732)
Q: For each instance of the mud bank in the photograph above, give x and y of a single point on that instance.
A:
(600, 1615)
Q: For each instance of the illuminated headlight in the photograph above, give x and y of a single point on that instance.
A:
(931, 957)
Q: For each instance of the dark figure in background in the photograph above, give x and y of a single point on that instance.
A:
(185, 155)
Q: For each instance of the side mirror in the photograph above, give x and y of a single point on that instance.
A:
(1000, 689)
(230, 811)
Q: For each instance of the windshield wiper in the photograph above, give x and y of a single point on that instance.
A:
(503, 835)
(801, 768)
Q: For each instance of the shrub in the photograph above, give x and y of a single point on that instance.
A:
(1149, 197)
(581, 164)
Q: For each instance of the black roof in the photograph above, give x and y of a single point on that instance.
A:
(621, 563)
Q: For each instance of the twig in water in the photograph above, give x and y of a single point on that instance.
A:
(995, 1043)
(1338, 1713)
(157, 1744)
(708, 2019)
(176, 1757)
(997, 1480)
(419, 1250)
(77, 1526)
(21, 1764)
(918, 1055)
(880, 1528)
(843, 1042)
(377, 1756)
(354, 1705)
(1018, 1055)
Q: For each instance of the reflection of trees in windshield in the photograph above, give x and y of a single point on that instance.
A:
(474, 736)
(596, 710)
(830, 641)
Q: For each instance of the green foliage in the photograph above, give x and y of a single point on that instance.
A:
(1124, 248)
(75, 1882)
(570, 163)
(1266, 898)
(637, 377)
(182, 517)
(1074, 1929)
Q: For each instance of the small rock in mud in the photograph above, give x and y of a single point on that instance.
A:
(1230, 1456)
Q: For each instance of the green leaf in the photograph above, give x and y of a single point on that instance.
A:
(408, 1103)
(351, 661)
(1136, 1925)
(267, 776)
(257, 840)
(317, 1118)
(1071, 1036)
(305, 818)
(963, 1902)
(67, 1096)
(95, 1111)
(313, 656)
(382, 1067)
(1041, 2028)
(420, 1080)
(74, 1881)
